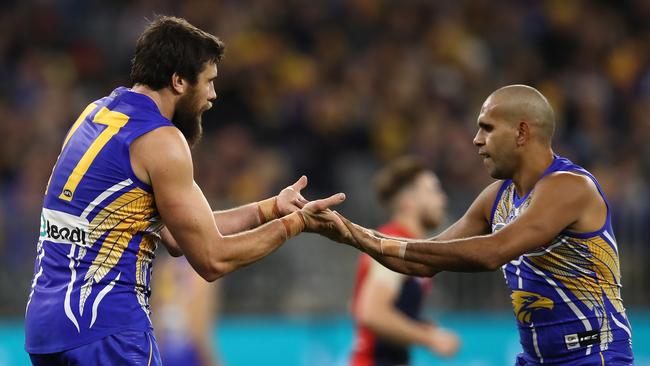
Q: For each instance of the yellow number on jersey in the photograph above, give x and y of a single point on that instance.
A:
(114, 121)
(91, 107)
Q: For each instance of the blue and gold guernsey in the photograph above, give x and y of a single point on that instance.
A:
(99, 230)
(566, 294)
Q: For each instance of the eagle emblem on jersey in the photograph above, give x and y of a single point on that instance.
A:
(524, 303)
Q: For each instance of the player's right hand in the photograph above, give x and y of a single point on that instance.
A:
(290, 199)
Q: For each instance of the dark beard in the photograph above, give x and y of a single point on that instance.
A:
(187, 118)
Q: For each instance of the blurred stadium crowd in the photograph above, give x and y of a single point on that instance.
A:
(333, 89)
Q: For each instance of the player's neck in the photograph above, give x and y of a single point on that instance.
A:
(410, 222)
(532, 170)
(163, 99)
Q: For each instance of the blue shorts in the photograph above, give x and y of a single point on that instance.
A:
(128, 347)
(604, 358)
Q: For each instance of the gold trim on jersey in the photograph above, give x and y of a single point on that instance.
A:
(127, 215)
(588, 268)
(504, 206)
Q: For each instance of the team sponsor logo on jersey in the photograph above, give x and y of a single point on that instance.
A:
(583, 339)
(61, 227)
(525, 303)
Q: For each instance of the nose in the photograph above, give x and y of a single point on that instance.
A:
(479, 140)
(212, 95)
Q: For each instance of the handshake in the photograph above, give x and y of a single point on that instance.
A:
(317, 217)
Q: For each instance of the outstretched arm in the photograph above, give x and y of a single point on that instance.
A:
(396, 264)
(474, 222)
(250, 216)
(187, 214)
(562, 201)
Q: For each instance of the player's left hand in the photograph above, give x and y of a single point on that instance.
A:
(290, 199)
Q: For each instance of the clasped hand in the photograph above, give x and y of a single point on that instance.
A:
(318, 216)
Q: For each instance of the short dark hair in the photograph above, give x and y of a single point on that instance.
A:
(172, 45)
(396, 176)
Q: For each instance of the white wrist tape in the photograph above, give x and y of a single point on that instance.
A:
(393, 248)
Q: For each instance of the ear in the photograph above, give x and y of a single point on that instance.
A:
(523, 133)
(178, 84)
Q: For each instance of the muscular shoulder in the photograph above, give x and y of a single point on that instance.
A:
(574, 193)
(564, 183)
(161, 150)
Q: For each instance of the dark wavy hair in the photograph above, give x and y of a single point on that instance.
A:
(172, 45)
(396, 176)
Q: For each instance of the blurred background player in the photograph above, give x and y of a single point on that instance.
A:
(186, 316)
(387, 304)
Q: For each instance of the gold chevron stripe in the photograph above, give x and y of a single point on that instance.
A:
(118, 222)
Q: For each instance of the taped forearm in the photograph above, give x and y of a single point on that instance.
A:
(294, 224)
(393, 248)
(268, 210)
(236, 220)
